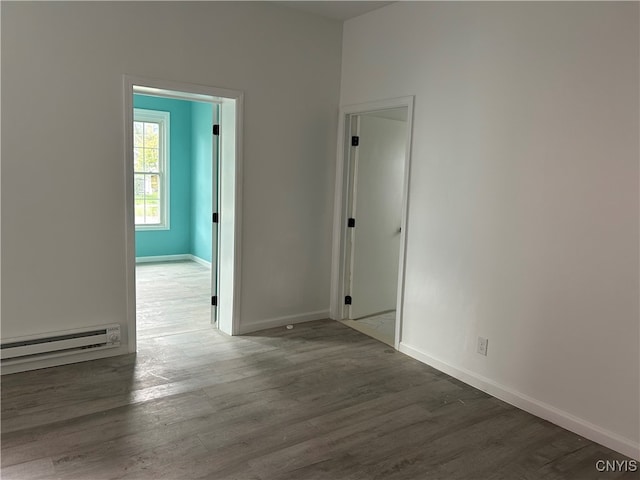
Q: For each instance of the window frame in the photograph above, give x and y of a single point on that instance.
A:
(162, 118)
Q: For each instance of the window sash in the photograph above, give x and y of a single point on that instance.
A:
(151, 171)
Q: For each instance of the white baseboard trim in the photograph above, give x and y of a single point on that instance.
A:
(531, 405)
(164, 258)
(64, 360)
(173, 258)
(282, 321)
(201, 261)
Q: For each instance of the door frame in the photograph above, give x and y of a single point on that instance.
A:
(228, 194)
(340, 247)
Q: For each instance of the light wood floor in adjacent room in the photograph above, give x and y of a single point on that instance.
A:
(320, 401)
(172, 298)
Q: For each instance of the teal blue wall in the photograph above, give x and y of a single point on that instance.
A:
(201, 180)
(176, 240)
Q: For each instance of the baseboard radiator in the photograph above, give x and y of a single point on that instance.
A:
(26, 349)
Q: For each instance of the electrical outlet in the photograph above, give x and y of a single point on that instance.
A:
(483, 344)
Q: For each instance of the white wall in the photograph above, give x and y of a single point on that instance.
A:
(523, 206)
(63, 200)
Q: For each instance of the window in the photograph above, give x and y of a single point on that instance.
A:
(150, 169)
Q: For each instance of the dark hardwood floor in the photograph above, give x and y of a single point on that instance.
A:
(320, 401)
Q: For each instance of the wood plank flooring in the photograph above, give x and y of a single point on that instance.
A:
(320, 401)
(182, 304)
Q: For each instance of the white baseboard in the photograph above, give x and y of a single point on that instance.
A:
(174, 258)
(535, 407)
(165, 258)
(201, 261)
(282, 321)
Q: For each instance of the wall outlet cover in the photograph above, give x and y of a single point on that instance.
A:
(483, 344)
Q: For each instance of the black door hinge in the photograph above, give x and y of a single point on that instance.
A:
(347, 300)
(215, 217)
(214, 300)
(216, 129)
(351, 222)
(355, 141)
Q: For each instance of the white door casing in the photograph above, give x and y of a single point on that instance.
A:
(228, 198)
(340, 263)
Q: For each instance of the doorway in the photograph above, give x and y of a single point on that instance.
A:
(216, 196)
(374, 176)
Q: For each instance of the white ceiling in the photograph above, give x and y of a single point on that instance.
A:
(335, 9)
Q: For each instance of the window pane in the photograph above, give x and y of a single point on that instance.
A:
(139, 211)
(154, 187)
(151, 135)
(138, 160)
(151, 160)
(137, 134)
(152, 212)
(138, 186)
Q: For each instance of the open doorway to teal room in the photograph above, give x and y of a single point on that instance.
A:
(175, 157)
(183, 189)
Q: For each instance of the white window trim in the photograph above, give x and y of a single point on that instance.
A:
(163, 118)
